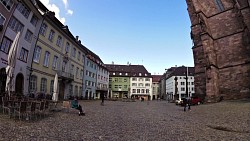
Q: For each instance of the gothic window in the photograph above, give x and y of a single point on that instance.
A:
(219, 5)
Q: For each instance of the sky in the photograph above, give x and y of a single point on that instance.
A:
(153, 33)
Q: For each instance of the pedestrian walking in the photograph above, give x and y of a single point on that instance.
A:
(185, 104)
(189, 104)
(102, 98)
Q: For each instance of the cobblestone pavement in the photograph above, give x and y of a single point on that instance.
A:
(136, 121)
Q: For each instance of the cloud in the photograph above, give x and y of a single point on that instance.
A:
(65, 2)
(54, 8)
(70, 12)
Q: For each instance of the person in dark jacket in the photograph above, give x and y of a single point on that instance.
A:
(185, 102)
(102, 98)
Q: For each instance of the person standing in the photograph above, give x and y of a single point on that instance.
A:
(185, 104)
(102, 98)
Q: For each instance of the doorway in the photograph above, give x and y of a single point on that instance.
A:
(3, 77)
(19, 84)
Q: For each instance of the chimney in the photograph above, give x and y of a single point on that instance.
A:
(77, 37)
(79, 41)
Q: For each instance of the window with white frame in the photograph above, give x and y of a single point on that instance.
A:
(33, 83)
(134, 84)
(6, 44)
(34, 20)
(23, 9)
(138, 91)
(43, 29)
(37, 54)
(147, 84)
(23, 55)
(147, 79)
(28, 36)
(142, 91)
(43, 87)
(51, 35)
(182, 89)
(59, 41)
(15, 24)
(134, 79)
(2, 19)
(134, 90)
(67, 47)
(55, 62)
(147, 91)
(73, 52)
(140, 79)
(83, 58)
(7, 3)
(140, 84)
(46, 59)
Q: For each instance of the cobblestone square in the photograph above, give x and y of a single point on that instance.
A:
(136, 121)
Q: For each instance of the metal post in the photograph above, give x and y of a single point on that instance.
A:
(187, 83)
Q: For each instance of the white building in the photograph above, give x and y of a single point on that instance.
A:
(141, 86)
(179, 86)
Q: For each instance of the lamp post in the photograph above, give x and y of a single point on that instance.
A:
(187, 83)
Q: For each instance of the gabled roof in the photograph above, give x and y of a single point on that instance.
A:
(182, 71)
(128, 70)
(156, 78)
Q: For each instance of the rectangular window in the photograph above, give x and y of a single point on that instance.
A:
(28, 36)
(2, 19)
(142, 91)
(43, 29)
(147, 84)
(24, 10)
(70, 89)
(73, 53)
(133, 79)
(43, 87)
(138, 91)
(77, 70)
(64, 66)
(46, 59)
(34, 20)
(7, 3)
(33, 82)
(147, 91)
(6, 44)
(147, 79)
(83, 58)
(67, 47)
(51, 35)
(72, 69)
(59, 41)
(55, 62)
(140, 84)
(23, 55)
(37, 54)
(81, 74)
(15, 25)
(79, 55)
(134, 90)
(134, 84)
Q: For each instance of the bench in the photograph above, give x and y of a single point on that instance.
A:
(66, 105)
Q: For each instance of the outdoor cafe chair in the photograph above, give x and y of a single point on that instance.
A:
(40, 108)
(21, 109)
(31, 111)
(6, 106)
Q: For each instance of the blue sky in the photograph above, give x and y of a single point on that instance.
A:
(153, 33)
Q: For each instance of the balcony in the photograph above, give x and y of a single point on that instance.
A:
(65, 75)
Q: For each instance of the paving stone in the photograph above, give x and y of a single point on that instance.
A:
(133, 121)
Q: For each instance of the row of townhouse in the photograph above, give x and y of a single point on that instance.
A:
(130, 81)
(46, 48)
(179, 83)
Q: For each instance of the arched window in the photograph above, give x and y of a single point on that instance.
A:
(43, 87)
(219, 5)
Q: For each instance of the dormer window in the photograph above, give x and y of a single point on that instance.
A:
(113, 73)
(139, 74)
(126, 74)
(120, 73)
(146, 74)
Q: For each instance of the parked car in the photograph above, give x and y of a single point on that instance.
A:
(196, 101)
(178, 101)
